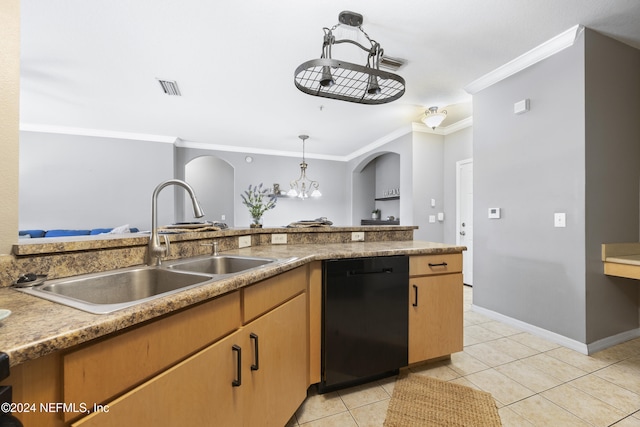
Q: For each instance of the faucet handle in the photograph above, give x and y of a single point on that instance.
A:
(214, 245)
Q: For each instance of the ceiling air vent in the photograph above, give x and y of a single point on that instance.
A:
(391, 63)
(170, 87)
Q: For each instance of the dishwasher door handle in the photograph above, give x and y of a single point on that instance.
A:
(361, 273)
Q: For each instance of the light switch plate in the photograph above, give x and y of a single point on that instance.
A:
(244, 241)
(279, 239)
(494, 213)
(432, 218)
(559, 219)
(521, 107)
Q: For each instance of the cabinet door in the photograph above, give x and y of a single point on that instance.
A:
(435, 316)
(279, 384)
(197, 391)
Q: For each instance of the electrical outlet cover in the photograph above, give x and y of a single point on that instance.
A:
(279, 239)
(244, 241)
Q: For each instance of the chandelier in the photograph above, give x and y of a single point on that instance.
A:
(300, 187)
(331, 78)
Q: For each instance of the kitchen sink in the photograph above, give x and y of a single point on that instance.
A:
(221, 264)
(103, 293)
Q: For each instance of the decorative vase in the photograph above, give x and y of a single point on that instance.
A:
(257, 223)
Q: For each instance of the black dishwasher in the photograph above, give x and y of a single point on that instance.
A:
(364, 319)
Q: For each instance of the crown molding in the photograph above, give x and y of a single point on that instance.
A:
(252, 150)
(459, 125)
(177, 142)
(537, 54)
(101, 133)
(447, 130)
(379, 142)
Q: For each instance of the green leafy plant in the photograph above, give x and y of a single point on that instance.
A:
(258, 201)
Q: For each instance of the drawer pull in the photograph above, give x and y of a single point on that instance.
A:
(415, 292)
(238, 381)
(255, 366)
(442, 264)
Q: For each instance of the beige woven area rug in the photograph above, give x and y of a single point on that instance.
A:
(422, 401)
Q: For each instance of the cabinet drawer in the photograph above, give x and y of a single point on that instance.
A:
(422, 265)
(270, 293)
(100, 371)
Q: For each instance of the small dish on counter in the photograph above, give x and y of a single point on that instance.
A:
(4, 314)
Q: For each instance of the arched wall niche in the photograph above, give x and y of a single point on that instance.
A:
(372, 177)
(212, 179)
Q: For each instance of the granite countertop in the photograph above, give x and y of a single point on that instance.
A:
(109, 241)
(38, 327)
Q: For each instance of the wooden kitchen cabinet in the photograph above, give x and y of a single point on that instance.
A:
(270, 382)
(179, 369)
(98, 372)
(277, 388)
(197, 391)
(435, 306)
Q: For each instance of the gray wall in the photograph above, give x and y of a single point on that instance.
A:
(401, 146)
(268, 169)
(539, 163)
(613, 173)
(457, 146)
(70, 181)
(364, 192)
(427, 170)
(428, 183)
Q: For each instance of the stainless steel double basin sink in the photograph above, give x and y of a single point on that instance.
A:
(102, 293)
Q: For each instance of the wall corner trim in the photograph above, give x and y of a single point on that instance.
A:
(537, 54)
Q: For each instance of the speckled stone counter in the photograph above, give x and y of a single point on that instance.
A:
(38, 327)
(64, 257)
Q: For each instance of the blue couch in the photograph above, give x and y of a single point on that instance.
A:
(66, 232)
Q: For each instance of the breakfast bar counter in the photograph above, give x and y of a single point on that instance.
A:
(38, 327)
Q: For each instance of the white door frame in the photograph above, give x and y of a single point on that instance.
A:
(459, 165)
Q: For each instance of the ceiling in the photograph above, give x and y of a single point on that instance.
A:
(93, 64)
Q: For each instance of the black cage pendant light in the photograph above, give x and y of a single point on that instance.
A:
(335, 79)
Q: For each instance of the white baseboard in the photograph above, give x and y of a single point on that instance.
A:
(557, 338)
(613, 340)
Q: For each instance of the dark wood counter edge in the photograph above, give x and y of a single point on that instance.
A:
(83, 327)
(110, 241)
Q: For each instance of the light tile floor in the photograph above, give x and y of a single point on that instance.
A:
(533, 381)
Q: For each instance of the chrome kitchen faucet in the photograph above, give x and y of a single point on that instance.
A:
(156, 250)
